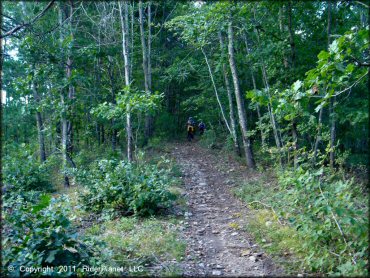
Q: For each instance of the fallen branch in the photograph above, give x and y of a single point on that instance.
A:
(268, 207)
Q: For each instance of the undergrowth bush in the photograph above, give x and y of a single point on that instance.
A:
(329, 215)
(37, 233)
(113, 186)
(22, 171)
(333, 221)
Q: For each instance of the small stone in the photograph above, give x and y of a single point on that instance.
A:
(263, 240)
(245, 253)
(268, 223)
(201, 231)
(219, 266)
(216, 272)
(299, 275)
(252, 258)
(215, 232)
(234, 234)
(202, 184)
(259, 254)
(201, 265)
(187, 214)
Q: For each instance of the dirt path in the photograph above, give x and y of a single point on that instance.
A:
(214, 222)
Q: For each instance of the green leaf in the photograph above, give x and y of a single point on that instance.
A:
(51, 256)
(323, 55)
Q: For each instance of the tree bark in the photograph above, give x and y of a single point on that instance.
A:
(239, 101)
(113, 95)
(147, 79)
(332, 100)
(318, 136)
(127, 81)
(229, 97)
(40, 126)
(66, 127)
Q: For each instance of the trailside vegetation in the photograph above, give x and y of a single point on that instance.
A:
(93, 91)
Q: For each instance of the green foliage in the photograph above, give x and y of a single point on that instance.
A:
(22, 171)
(37, 233)
(113, 186)
(330, 218)
(208, 138)
(127, 242)
(129, 100)
(328, 214)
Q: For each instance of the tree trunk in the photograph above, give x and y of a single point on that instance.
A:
(318, 136)
(66, 126)
(292, 65)
(239, 101)
(102, 134)
(332, 132)
(216, 93)
(332, 100)
(229, 97)
(145, 64)
(127, 81)
(275, 128)
(295, 143)
(255, 88)
(150, 117)
(40, 127)
(331, 110)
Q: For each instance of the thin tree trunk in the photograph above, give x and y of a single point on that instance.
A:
(127, 82)
(145, 46)
(291, 35)
(150, 117)
(40, 127)
(332, 101)
(331, 110)
(102, 134)
(292, 64)
(64, 121)
(255, 88)
(275, 129)
(332, 132)
(132, 35)
(216, 93)
(113, 95)
(318, 136)
(281, 28)
(230, 98)
(239, 101)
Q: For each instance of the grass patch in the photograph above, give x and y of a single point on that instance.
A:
(151, 243)
(281, 242)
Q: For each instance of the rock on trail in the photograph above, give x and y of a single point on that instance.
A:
(217, 243)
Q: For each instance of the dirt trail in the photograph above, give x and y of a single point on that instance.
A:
(214, 222)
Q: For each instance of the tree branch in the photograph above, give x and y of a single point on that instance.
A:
(19, 27)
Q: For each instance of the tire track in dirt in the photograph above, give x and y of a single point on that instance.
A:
(217, 244)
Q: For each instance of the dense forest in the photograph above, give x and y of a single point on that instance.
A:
(99, 177)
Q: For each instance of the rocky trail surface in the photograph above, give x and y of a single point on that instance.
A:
(214, 225)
